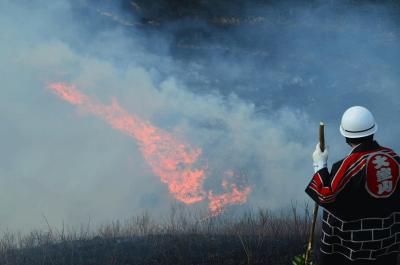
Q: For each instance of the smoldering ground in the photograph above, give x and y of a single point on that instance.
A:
(247, 82)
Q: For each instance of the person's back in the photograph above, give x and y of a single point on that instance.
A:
(360, 196)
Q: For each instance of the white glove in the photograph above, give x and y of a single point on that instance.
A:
(320, 158)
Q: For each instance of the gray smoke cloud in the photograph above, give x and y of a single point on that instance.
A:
(248, 86)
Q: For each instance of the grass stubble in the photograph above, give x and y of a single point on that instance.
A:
(257, 236)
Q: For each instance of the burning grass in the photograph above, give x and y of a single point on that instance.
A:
(255, 237)
(170, 158)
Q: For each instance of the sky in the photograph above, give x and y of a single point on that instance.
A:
(247, 82)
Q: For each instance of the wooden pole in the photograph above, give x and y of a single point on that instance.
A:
(315, 211)
(322, 136)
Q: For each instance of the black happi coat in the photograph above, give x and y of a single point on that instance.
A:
(361, 201)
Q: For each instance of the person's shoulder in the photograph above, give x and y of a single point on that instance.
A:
(337, 165)
(349, 157)
(389, 151)
(349, 160)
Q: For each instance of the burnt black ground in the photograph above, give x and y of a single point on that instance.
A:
(255, 237)
(161, 249)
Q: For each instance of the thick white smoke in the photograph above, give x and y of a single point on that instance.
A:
(69, 166)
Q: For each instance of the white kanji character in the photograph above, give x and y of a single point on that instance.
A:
(384, 173)
(385, 186)
(380, 161)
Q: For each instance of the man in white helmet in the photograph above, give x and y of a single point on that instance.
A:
(360, 197)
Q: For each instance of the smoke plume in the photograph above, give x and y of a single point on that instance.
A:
(245, 82)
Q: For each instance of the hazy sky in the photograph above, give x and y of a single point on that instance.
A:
(247, 84)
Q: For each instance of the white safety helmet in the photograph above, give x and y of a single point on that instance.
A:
(358, 122)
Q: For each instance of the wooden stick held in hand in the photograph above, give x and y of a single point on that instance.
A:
(321, 136)
(315, 211)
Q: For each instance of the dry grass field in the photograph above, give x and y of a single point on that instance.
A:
(255, 237)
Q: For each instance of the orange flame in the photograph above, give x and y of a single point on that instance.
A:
(235, 196)
(173, 161)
